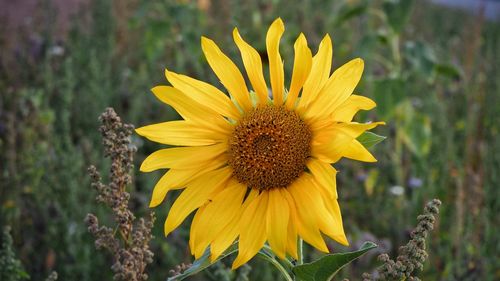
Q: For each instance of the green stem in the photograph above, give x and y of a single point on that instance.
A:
(396, 54)
(286, 262)
(277, 265)
(300, 251)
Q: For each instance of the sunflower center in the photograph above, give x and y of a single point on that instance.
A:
(269, 148)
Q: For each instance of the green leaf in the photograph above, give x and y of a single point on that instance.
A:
(348, 12)
(449, 70)
(369, 139)
(417, 135)
(325, 268)
(202, 263)
(398, 12)
(422, 58)
(388, 93)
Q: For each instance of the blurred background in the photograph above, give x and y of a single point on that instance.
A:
(432, 68)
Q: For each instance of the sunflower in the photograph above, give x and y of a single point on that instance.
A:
(256, 165)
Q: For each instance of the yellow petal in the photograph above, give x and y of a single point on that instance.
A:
(335, 230)
(184, 105)
(291, 242)
(227, 236)
(225, 239)
(327, 197)
(327, 213)
(204, 93)
(253, 66)
(356, 151)
(178, 178)
(331, 152)
(339, 227)
(336, 90)
(224, 207)
(184, 133)
(227, 72)
(195, 232)
(346, 111)
(318, 128)
(183, 157)
(194, 196)
(301, 68)
(191, 110)
(277, 222)
(252, 228)
(355, 129)
(339, 137)
(308, 219)
(275, 64)
(320, 71)
(324, 174)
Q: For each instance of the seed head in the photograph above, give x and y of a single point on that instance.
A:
(269, 148)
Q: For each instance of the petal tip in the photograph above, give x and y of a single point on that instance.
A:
(167, 229)
(205, 42)
(169, 75)
(279, 22)
(324, 249)
(139, 131)
(326, 40)
(359, 61)
(237, 37)
(294, 255)
(342, 240)
(154, 203)
(144, 168)
(370, 104)
(277, 27)
(280, 255)
(371, 160)
(237, 263)
(301, 40)
(155, 90)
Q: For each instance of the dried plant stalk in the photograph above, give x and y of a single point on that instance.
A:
(128, 241)
(411, 256)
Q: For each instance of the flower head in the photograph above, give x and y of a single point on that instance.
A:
(255, 168)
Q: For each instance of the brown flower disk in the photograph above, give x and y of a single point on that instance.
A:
(269, 148)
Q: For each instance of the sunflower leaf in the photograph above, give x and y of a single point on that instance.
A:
(325, 268)
(202, 263)
(369, 139)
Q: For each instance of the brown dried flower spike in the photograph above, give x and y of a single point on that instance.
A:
(130, 249)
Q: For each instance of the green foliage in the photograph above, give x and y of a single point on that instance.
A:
(11, 268)
(398, 13)
(202, 263)
(388, 93)
(348, 12)
(369, 139)
(325, 268)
